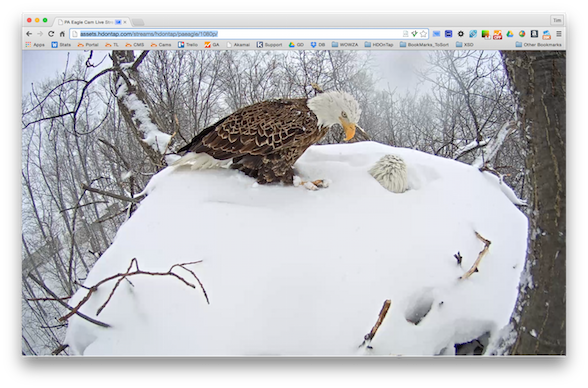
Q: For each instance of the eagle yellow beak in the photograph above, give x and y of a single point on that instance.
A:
(348, 127)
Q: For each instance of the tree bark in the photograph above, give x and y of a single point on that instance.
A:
(134, 87)
(538, 79)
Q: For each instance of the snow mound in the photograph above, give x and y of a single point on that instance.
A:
(290, 271)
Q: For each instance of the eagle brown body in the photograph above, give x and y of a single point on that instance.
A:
(264, 140)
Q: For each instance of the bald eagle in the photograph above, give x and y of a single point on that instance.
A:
(265, 139)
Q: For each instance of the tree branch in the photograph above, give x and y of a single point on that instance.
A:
(369, 336)
(75, 111)
(57, 299)
(480, 255)
(80, 206)
(138, 61)
(494, 145)
(108, 194)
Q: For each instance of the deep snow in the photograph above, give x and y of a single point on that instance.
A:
(296, 272)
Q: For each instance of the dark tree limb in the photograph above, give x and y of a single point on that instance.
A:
(108, 194)
(58, 300)
(59, 349)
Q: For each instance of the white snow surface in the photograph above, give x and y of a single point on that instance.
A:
(290, 271)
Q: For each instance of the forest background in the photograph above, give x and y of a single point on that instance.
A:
(84, 159)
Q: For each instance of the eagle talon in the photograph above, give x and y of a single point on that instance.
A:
(311, 185)
(322, 183)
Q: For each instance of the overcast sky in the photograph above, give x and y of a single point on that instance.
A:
(38, 66)
(395, 69)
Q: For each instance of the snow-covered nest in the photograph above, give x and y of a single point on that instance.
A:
(290, 271)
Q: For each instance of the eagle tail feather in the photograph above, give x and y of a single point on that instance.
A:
(201, 161)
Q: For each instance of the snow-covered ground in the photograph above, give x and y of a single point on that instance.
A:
(290, 271)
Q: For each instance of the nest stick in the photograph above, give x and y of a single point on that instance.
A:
(480, 255)
(381, 316)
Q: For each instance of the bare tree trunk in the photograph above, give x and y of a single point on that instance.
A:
(539, 78)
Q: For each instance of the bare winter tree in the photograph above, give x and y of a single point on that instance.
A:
(538, 80)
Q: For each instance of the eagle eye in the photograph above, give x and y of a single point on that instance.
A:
(344, 115)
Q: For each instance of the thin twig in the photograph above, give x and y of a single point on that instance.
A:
(122, 276)
(110, 217)
(47, 290)
(121, 197)
(480, 255)
(80, 206)
(47, 299)
(116, 285)
(193, 274)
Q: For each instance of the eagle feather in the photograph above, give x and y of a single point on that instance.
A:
(265, 139)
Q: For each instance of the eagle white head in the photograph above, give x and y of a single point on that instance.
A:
(336, 108)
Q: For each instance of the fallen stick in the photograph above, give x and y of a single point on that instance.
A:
(480, 255)
(369, 336)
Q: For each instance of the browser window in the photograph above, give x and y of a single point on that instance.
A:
(301, 184)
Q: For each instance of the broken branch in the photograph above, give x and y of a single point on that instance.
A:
(480, 255)
(369, 336)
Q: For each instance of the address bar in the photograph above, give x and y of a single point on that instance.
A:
(254, 33)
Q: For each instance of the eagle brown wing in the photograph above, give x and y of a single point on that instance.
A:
(263, 140)
(260, 129)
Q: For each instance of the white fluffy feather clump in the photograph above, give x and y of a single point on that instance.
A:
(390, 171)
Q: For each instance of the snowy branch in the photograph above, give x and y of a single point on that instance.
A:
(137, 109)
(474, 145)
(122, 276)
(494, 145)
